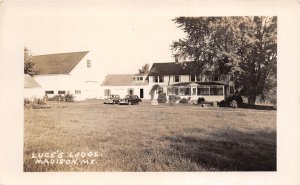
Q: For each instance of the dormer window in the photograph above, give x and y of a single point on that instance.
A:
(216, 78)
(177, 78)
(196, 78)
(139, 78)
(193, 78)
(89, 64)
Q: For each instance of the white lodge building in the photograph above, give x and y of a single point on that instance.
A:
(187, 84)
(126, 84)
(62, 73)
(183, 82)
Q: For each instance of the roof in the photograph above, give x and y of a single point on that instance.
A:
(29, 82)
(122, 80)
(60, 63)
(171, 68)
(199, 83)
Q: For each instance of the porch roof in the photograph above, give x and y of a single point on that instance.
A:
(199, 83)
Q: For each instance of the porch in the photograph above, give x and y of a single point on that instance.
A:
(210, 91)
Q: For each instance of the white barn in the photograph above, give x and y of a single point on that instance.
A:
(32, 89)
(63, 73)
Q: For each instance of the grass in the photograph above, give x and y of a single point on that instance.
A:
(152, 138)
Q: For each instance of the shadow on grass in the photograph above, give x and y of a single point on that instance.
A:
(257, 107)
(228, 151)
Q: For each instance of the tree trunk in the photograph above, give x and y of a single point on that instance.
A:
(251, 100)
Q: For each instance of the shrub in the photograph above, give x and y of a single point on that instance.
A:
(162, 98)
(238, 98)
(56, 98)
(69, 97)
(201, 100)
(224, 103)
(233, 104)
(183, 100)
(173, 99)
(228, 101)
(36, 103)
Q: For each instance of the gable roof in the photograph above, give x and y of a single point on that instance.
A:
(60, 63)
(122, 80)
(29, 82)
(171, 68)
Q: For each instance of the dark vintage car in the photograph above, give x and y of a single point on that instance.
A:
(130, 100)
(112, 99)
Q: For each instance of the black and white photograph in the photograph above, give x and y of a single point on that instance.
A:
(127, 86)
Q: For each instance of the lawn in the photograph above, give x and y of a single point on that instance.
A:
(148, 138)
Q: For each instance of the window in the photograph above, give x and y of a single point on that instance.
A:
(181, 91)
(106, 92)
(89, 64)
(194, 91)
(177, 78)
(203, 91)
(161, 78)
(49, 92)
(77, 91)
(216, 90)
(184, 91)
(216, 78)
(193, 78)
(61, 92)
(231, 89)
(198, 78)
(130, 91)
(139, 78)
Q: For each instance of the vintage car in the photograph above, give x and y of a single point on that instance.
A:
(130, 100)
(112, 99)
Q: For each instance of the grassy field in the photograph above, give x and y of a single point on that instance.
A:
(151, 138)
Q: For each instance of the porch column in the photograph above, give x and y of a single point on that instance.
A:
(224, 92)
(209, 90)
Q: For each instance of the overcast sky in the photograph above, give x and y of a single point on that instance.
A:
(120, 37)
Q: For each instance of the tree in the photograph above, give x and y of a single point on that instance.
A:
(144, 69)
(245, 47)
(29, 66)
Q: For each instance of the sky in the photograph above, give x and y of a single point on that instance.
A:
(120, 37)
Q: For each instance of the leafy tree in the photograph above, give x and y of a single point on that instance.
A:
(29, 66)
(245, 47)
(144, 69)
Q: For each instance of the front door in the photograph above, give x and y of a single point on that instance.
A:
(141, 93)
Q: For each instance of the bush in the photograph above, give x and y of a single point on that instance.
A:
(57, 98)
(233, 104)
(173, 99)
(36, 103)
(162, 98)
(228, 102)
(238, 98)
(183, 100)
(69, 97)
(201, 100)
